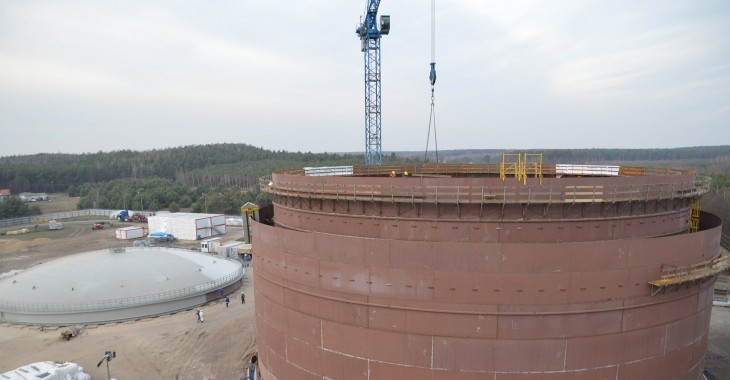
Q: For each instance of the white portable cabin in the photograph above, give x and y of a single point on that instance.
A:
(127, 233)
(210, 245)
(230, 250)
(234, 222)
(188, 226)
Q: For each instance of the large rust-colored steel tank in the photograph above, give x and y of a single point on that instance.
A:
(456, 273)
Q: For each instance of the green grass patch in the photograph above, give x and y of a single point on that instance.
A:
(60, 203)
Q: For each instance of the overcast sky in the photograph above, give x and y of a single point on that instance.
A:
(85, 76)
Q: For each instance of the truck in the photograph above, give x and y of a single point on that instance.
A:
(140, 218)
(128, 216)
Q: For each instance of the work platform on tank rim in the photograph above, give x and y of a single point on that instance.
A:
(488, 184)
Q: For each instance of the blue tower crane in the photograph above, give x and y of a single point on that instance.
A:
(370, 45)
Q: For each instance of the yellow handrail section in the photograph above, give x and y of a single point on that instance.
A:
(532, 165)
(510, 166)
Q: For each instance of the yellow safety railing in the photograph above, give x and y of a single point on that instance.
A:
(532, 165)
(511, 165)
(521, 166)
(673, 276)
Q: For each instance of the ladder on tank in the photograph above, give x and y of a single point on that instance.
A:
(694, 217)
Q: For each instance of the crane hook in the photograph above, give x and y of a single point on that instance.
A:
(432, 75)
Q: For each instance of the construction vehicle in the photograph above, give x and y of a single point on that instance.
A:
(73, 331)
(370, 45)
(140, 218)
(128, 216)
(100, 225)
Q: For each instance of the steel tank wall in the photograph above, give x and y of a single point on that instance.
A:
(353, 307)
(458, 209)
(407, 226)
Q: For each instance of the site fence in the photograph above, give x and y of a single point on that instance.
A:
(103, 213)
(29, 220)
(127, 302)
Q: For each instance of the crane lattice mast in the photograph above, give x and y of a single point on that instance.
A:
(370, 46)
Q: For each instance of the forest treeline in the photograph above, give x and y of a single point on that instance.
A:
(218, 178)
(240, 165)
(704, 159)
(212, 165)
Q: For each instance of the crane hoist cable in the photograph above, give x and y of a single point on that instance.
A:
(432, 78)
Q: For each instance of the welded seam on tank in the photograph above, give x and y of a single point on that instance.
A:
(496, 313)
(497, 204)
(288, 227)
(271, 352)
(496, 372)
(543, 220)
(564, 370)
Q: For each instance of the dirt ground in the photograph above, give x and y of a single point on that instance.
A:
(717, 358)
(166, 347)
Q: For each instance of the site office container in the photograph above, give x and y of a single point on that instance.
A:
(127, 233)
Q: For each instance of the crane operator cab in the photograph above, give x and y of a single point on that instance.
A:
(384, 24)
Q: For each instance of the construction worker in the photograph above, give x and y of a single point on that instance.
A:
(392, 173)
(405, 174)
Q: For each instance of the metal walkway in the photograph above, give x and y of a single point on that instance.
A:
(674, 277)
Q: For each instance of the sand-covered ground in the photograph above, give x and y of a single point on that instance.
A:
(166, 347)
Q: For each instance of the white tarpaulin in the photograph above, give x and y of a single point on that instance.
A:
(589, 170)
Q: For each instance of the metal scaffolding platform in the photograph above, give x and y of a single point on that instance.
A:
(521, 166)
(674, 277)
